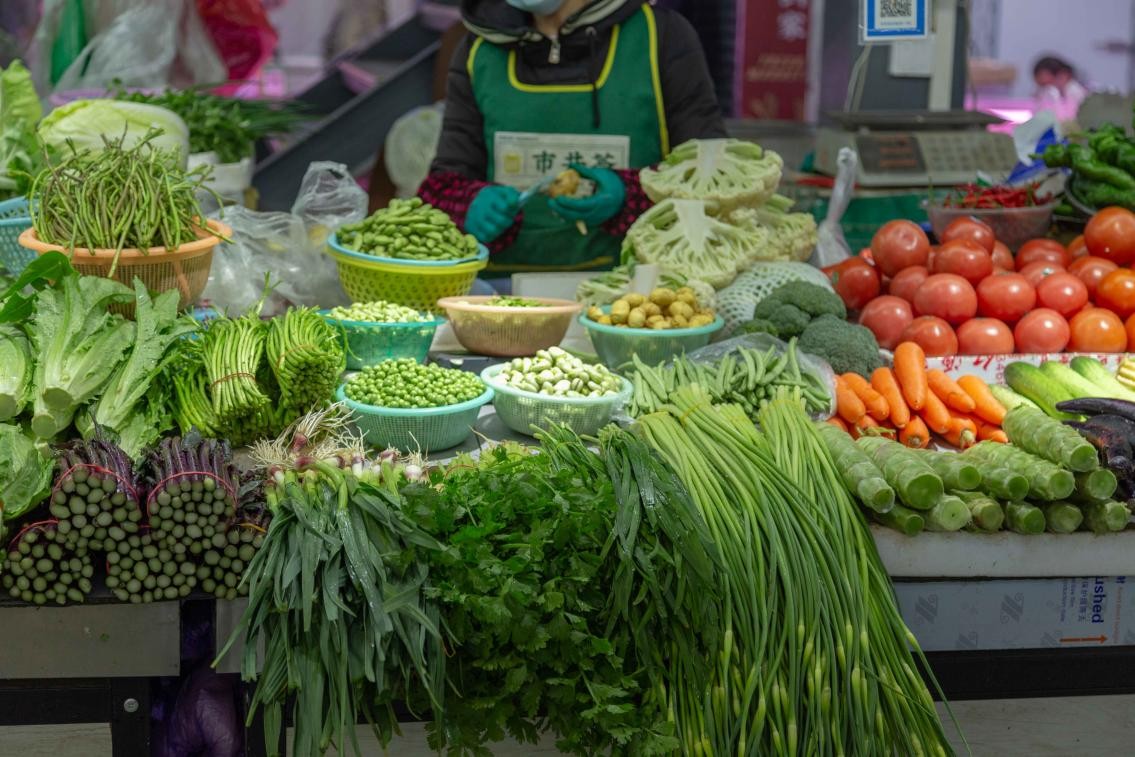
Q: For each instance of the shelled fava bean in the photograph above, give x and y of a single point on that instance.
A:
(405, 383)
(378, 312)
(410, 230)
(557, 373)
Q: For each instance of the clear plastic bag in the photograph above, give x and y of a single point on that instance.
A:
(831, 246)
(287, 247)
(411, 146)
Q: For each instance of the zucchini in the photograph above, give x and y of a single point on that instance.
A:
(1009, 398)
(1096, 372)
(1031, 382)
(1071, 380)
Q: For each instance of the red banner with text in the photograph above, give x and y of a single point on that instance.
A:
(772, 58)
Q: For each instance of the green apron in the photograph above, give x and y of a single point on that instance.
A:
(532, 131)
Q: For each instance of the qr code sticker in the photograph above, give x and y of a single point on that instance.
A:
(896, 8)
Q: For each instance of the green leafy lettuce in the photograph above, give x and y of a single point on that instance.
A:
(15, 370)
(25, 474)
(20, 110)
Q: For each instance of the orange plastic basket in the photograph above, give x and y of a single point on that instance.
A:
(185, 269)
(487, 329)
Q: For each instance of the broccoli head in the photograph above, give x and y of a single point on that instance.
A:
(787, 302)
(847, 347)
(757, 326)
(785, 318)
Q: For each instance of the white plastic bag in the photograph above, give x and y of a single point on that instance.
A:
(831, 246)
(411, 146)
(287, 247)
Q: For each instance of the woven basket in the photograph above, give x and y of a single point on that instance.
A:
(486, 329)
(14, 218)
(185, 269)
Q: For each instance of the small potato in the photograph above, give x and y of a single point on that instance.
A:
(604, 319)
(636, 318)
(594, 313)
(661, 324)
(662, 296)
(620, 306)
(679, 321)
(634, 299)
(651, 308)
(685, 290)
(701, 319)
(680, 308)
(689, 298)
(653, 320)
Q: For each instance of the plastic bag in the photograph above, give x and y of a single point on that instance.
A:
(243, 35)
(149, 43)
(713, 353)
(287, 247)
(831, 246)
(411, 146)
(204, 721)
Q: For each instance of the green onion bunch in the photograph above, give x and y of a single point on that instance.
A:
(44, 566)
(306, 356)
(95, 499)
(118, 197)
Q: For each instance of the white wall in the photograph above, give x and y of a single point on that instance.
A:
(1071, 30)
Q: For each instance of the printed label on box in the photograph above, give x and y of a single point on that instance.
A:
(1013, 614)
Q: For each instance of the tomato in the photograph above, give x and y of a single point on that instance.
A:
(967, 259)
(887, 317)
(971, 229)
(1130, 326)
(948, 296)
(1002, 257)
(985, 336)
(898, 245)
(933, 335)
(1034, 272)
(1036, 250)
(1116, 292)
(1111, 234)
(1042, 330)
(865, 254)
(1063, 292)
(1005, 296)
(907, 281)
(1091, 271)
(855, 281)
(1078, 248)
(1097, 330)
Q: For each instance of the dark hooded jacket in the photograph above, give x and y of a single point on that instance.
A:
(460, 168)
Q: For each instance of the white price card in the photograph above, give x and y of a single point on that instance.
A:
(522, 159)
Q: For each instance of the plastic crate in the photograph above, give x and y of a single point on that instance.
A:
(415, 284)
(15, 217)
(523, 411)
(369, 343)
(422, 430)
(616, 346)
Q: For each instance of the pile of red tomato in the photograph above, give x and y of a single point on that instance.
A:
(971, 296)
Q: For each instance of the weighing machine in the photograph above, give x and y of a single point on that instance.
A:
(916, 148)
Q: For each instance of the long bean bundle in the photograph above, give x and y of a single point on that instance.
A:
(814, 658)
(307, 358)
(118, 197)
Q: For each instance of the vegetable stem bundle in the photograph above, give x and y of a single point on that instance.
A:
(306, 356)
(44, 566)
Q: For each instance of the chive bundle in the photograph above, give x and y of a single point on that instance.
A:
(232, 353)
(306, 356)
(118, 197)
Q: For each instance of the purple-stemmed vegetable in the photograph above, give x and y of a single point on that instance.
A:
(95, 498)
(43, 565)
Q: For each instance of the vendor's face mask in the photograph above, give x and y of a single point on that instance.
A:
(538, 7)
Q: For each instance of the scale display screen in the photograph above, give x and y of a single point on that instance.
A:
(890, 153)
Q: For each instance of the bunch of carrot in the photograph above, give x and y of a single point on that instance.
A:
(911, 403)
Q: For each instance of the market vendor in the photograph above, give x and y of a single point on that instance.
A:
(602, 86)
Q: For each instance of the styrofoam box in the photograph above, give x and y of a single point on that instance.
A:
(991, 368)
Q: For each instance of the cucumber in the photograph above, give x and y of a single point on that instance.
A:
(1071, 380)
(1009, 398)
(1031, 382)
(1096, 372)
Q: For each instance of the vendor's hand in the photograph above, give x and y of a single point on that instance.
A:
(610, 194)
(492, 212)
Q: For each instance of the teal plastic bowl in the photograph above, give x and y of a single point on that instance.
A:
(616, 346)
(424, 430)
(15, 217)
(369, 343)
(525, 411)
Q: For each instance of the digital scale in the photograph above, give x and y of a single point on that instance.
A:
(916, 148)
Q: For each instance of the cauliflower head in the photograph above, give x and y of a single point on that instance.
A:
(682, 238)
(783, 236)
(731, 173)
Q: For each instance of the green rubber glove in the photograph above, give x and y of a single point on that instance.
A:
(492, 212)
(610, 194)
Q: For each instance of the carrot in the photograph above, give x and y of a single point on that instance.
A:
(868, 426)
(910, 370)
(847, 403)
(949, 392)
(915, 434)
(875, 403)
(836, 421)
(884, 382)
(986, 406)
(962, 432)
(989, 432)
(936, 414)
